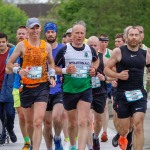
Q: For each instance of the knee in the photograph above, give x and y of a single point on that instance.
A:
(138, 128)
(37, 123)
(57, 119)
(21, 117)
(84, 122)
(72, 124)
(123, 131)
(47, 125)
(98, 122)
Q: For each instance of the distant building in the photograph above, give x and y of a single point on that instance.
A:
(35, 10)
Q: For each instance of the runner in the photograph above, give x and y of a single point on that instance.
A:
(34, 54)
(53, 116)
(130, 97)
(77, 59)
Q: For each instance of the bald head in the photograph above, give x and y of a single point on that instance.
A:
(93, 41)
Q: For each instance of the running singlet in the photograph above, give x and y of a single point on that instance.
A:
(34, 60)
(100, 86)
(107, 54)
(82, 59)
(135, 63)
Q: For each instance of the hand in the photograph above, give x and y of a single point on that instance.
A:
(16, 65)
(123, 75)
(71, 69)
(100, 76)
(92, 71)
(52, 82)
(114, 83)
(23, 72)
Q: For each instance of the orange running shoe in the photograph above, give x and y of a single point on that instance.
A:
(123, 142)
(104, 137)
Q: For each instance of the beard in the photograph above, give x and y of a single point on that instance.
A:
(133, 43)
(51, 39)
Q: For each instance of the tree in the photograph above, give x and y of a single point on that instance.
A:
(105, 16)
(11, 18)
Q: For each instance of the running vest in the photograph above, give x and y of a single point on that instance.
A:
(34, 60)
(81, 80)
(135, 63)
(144, 47)
(102, 89)
(107, 53)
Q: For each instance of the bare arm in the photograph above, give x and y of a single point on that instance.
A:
(51, 63)
(114, 59)
(11, 62)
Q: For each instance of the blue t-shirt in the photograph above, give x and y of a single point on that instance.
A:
(17, 76)
(57, 88)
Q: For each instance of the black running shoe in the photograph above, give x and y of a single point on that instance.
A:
(12, 136)
(129, 147)
(96, 144)
(129, 138)
(115, 140)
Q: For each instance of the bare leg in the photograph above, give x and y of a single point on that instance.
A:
(83, 123)
(39, 113)
(47, 131)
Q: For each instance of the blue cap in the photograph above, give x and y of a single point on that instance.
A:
(50, 26)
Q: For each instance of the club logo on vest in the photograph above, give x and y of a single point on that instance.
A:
(86, 54)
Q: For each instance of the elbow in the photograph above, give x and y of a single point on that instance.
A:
(7, 70)
(105, 71)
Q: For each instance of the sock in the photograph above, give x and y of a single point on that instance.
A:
(49, 149)
(66, 139)
(26, 139)
(89, 147)
(57, 137)
(95, 137)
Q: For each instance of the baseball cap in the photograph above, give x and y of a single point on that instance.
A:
(50, 26)
(31, 22)
(69, 31)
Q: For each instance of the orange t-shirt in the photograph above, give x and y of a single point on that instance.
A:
(34, 60)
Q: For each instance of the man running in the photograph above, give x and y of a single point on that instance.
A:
(35, 55)
(130, 97)
(55, 107)
(78, 61)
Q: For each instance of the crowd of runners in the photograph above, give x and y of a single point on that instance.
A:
(66, 87)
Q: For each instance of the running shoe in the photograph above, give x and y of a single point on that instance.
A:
(66, 144)
(96, 144)
(129, 147)
(12, 136)
(58, 145)
(26, 146)
(123, 142)
(129, 138)
(104, 137)
(73, 148)
(115, 140)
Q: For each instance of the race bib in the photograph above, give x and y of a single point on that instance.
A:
(34, 72)
(81, 72)
(95, 82)
(133, 95)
